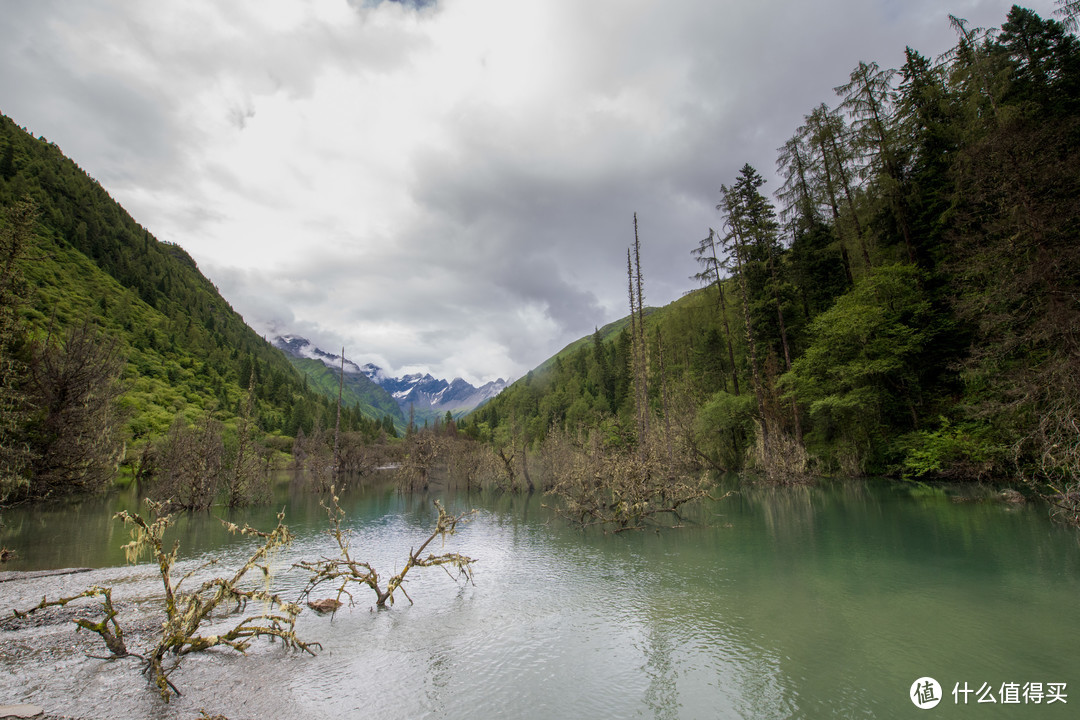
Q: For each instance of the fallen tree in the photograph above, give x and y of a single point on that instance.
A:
(186, 612)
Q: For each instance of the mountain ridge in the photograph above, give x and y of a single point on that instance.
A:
(422, 394)
(88, 266)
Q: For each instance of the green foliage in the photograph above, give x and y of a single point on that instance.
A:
(87, 261)
(15, 241)
(860, 372)
(959, 452)
(358, 391)
(924, 264)
(724, 427)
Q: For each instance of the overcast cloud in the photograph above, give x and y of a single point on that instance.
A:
(449, 185)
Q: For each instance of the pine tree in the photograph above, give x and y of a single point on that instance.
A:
(1069, 10)
(737, 240)
(758, 222)
(1045, 63)
(925, 119)
(7, 161)
(706, 254)
(867, 99)
(606, 378)
(973, 73)
(832, 163)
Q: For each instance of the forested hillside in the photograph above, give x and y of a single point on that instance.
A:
(95, 311)
(906, 303)
(358, 393)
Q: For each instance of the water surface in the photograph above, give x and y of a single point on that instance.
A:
(826, 601)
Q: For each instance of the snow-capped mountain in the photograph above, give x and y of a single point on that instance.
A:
(301, 347)
(422, 391)
(426, 395)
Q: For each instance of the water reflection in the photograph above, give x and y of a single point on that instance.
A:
(772, 603)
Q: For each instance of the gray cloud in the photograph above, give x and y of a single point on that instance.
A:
(441, 185)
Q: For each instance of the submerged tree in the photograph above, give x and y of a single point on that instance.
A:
(187, 612)
(345, 570)
(616, 489)
(242, 481)
(191, 466)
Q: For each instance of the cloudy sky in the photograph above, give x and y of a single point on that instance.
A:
(446, 185)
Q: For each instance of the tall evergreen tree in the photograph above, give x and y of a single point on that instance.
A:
(833, 162)
(1045, 62)
(706, 254)
(926, 125)
(738, 242)
(867, 100)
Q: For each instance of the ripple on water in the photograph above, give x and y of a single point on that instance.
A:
(775, 617)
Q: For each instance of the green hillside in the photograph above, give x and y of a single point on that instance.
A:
(907, 307)
(88, 264)
(357, 391)
(607, 333)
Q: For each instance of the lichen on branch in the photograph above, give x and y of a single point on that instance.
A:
(107, 628)
(186, 612)
(345, 570)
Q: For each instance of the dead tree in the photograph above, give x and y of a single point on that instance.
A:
(74, 421)
(186, 612)
(243, 480)
(108, 628)
(617, 490)
(344, 569)
(639, 358)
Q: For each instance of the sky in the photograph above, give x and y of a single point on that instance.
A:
(447, 185)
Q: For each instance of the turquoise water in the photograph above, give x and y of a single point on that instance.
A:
(825, 601)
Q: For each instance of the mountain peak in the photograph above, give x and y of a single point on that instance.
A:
(301, 347)
(421, 391)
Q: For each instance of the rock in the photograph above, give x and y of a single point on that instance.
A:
(29, 574)
(20, 711)
(325, 605)
(1011, 496)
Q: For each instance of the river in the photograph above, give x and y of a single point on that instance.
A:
(810, 602)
